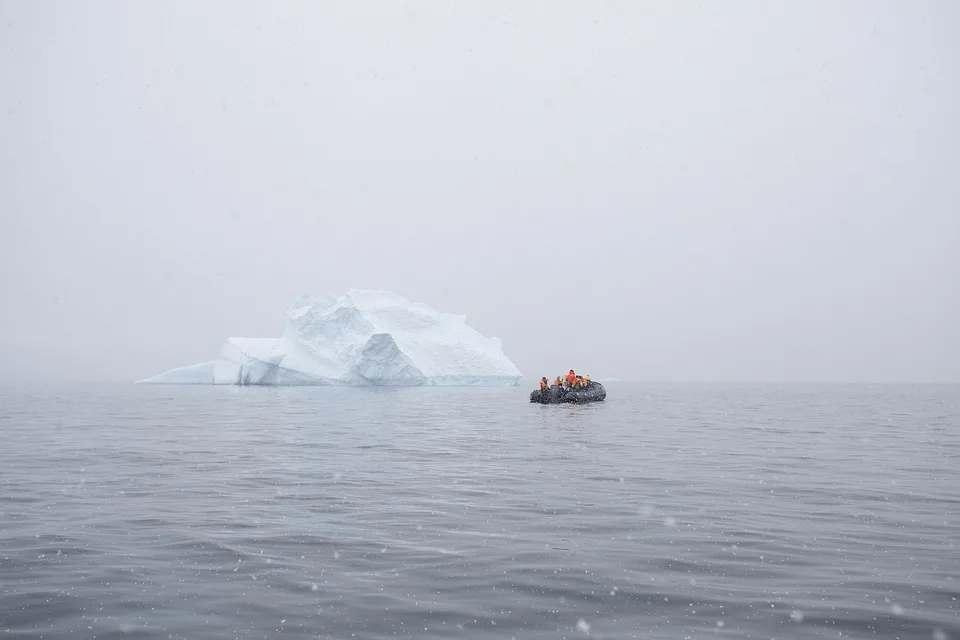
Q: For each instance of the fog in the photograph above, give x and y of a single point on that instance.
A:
(648, 190)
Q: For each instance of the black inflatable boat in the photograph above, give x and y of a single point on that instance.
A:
(555, 395)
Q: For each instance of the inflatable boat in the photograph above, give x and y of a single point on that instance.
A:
(555, 395)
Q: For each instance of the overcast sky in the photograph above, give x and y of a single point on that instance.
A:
(648, 190)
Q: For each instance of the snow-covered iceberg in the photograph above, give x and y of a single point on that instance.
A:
(361, 338)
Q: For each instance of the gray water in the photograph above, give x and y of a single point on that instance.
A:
(665, 512)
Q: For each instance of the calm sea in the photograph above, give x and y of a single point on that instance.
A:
(687, 511)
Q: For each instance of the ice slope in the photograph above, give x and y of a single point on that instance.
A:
(193, 374)
(360, 338)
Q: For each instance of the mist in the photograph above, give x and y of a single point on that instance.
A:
(654, 191)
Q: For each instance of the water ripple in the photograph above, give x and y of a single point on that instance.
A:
(665, 512)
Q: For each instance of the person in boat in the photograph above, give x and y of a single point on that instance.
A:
(571, 378)
(558, 382)
(544, 385)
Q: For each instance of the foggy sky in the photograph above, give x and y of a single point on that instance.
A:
(647, 190)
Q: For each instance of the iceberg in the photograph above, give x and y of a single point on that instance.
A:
(361, 338)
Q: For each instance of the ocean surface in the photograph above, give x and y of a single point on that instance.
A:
(668, 511)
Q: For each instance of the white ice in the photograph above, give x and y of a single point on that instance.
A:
(361, 338)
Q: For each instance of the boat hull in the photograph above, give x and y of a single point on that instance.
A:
(557, 395)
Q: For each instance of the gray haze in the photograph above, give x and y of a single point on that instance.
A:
(647, 190)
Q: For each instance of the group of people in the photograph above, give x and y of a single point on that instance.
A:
(568, 382)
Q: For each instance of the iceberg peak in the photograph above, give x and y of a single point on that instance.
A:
(362, 337)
